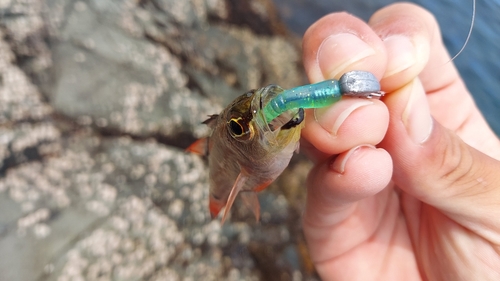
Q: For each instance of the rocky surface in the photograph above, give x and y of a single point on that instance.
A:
(98, 100)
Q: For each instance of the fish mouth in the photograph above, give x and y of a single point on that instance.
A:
(295, 121)
(266, 94)
(287, 120)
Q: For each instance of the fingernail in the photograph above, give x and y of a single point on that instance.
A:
(325, 115)
(338, 164)
(417, 115)
(339, 51)
(401, 52)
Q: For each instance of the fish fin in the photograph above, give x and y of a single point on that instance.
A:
(252, 202)
(262, 186)
(237, 187)
(199, 147)
(210, 122)
(214, 206)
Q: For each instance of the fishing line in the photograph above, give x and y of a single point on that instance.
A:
(470, 32)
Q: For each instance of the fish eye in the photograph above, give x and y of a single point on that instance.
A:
(238, 129)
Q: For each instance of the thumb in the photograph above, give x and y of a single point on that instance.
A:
(434, 165)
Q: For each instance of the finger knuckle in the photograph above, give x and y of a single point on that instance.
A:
(456, 162)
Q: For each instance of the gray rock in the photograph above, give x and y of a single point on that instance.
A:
(98, 100)
(25, 129)
(115, 208)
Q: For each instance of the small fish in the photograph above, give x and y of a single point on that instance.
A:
(246, 153)
(254, 137)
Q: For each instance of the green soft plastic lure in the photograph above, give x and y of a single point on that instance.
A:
(325, 93)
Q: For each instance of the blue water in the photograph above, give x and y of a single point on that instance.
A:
(479, 63)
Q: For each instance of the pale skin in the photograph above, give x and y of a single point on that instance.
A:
(395, 194)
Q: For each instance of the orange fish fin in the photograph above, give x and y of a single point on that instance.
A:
(262, 186)
(237, 187)
(199, 147)
(252, 202)
(210, 122)
(214, 206)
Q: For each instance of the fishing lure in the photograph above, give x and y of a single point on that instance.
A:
(322, 94)
(255, 136)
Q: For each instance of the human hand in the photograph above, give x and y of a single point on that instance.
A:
(425, 204)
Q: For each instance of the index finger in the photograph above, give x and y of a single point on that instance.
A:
(334, 45)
